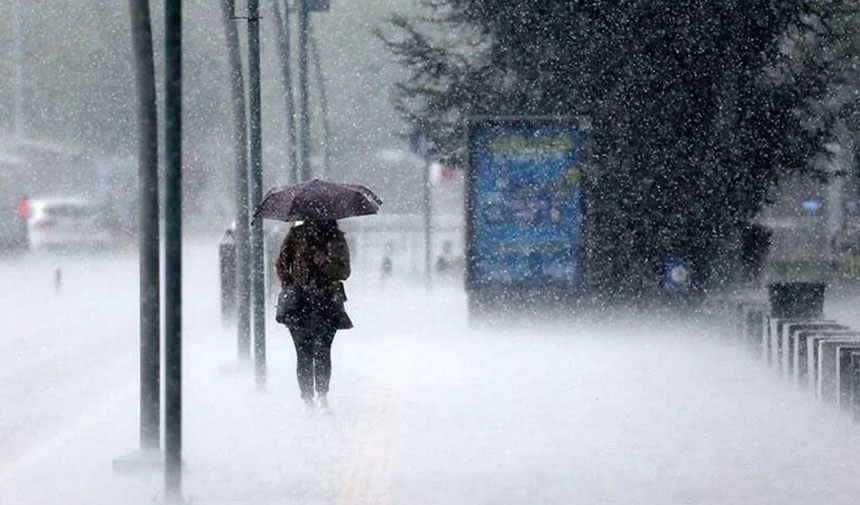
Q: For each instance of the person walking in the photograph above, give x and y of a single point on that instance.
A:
(313, 263)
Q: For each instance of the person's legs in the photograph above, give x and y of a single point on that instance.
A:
(304, 363)
(322, 360)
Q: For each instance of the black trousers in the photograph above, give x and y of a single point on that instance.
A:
(313, 359)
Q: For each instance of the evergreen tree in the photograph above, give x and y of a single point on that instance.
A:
(695, 113)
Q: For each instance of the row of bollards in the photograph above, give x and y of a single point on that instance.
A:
(790, 334)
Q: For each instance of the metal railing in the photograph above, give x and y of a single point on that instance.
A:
(812, 352)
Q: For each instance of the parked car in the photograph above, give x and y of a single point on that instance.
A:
(66, 223)
(13, 230)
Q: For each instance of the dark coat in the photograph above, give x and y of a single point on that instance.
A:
(318, 262)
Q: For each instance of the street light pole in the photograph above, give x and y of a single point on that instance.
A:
(282, 29)
(150, 323)
(304, 113)
(321, 82)
(257, 272)
(419, 145)
(240, 142)
(173, 248)
(428, 222)
(18, 63)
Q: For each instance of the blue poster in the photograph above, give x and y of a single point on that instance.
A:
(526, 199)
(676, 275)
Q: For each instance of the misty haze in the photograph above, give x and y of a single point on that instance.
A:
(429, 252)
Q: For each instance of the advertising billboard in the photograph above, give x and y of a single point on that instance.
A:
(525, 210)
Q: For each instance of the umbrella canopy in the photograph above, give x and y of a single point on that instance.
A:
(318, 200)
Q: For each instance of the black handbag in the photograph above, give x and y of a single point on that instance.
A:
(340, 319)
(289, 304)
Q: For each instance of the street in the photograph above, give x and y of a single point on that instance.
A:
(425, 409)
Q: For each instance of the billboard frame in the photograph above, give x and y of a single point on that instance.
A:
(482, 295)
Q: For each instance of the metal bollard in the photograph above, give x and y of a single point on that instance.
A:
(756, 331)
(772, 348)
(846, 376)
(739, 316)
(828, 365)
(855, 385)
(789, 341)
(58, 279)
(796, 301)
(813, 355)
(227, 267)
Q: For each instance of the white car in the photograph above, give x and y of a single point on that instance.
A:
(66, 223)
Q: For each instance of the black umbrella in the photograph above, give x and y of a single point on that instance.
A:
(318, 200)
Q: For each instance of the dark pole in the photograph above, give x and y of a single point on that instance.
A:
(173, 248)
(240, 141)
(315, 52)
(147, 170)
(282, 28)
(257, 272)
(304, 113)
(428, 209)
(18, 65)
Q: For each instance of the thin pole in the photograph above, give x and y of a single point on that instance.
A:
(18, 86)
(321, 82)
(257, 272)
(282, 28)
(173, 248)
(427, 224)
(147, 170)
(240, 142)
(304, 113)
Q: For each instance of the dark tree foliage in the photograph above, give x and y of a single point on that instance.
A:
(690, 125)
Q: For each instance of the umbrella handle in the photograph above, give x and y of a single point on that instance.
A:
(259, 209)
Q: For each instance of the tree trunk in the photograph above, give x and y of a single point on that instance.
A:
(282, 29)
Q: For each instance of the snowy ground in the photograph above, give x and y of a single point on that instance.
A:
(425, 410)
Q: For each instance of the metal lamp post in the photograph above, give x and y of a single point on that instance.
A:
(305, 7)
(173, 248)
(150, 317)
(256, 150)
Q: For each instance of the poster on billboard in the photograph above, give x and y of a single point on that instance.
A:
(525, 209)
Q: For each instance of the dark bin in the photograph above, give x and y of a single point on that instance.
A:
(797, 300)
(227, 267)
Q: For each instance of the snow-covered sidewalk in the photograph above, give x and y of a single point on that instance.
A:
(429, 411)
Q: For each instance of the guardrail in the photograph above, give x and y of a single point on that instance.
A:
(788, 332)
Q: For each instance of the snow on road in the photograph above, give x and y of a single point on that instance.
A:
(425, 409)
(61, 348)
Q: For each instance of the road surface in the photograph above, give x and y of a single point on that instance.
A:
(425, 409)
